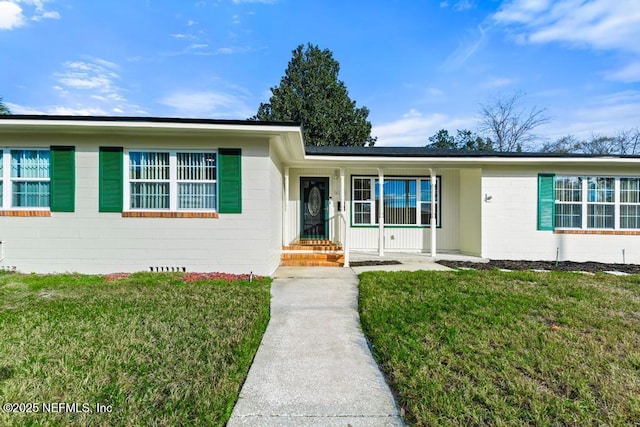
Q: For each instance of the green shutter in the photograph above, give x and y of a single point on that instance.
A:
(546, 201)
(111, 176)
(229, 180)
(63, 179)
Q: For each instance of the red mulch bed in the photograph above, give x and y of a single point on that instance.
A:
(591, 267)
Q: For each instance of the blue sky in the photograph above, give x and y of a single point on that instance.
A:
(419, 66)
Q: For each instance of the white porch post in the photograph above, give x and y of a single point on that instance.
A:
(433, 212)
(381, 213)
(342, 191)
(343, 209)
(285, 225)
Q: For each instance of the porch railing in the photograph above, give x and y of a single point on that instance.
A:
(342, 227)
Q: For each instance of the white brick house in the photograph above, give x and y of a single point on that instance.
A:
(107, 194)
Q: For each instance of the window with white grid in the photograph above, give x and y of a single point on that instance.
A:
(629, 202)
(149, 180)
(172, 180)
(29, 178)
(425, 202)
(600, 202)
(363, 201)
(196, 181)
(569, 202)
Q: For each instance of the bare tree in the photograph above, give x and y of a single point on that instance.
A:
(629, 141)
(600, 145)
(508, 124)
(626, 142)
(563, 145)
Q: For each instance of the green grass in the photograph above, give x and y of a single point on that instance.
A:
(158, 350)
(496, 348)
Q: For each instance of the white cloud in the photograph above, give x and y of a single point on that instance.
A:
(628, 74)
(90, 87)
(20, 109)
(466, 49)
(52, 14)
(209, 104)
(498, 83)
(95, 74)
(605, 115)
(598, 24)
(56, 110)
(10, 16)
(415, 128)
(462, 5)
(459, 6)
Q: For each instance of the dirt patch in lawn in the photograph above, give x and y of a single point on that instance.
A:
(591, 267)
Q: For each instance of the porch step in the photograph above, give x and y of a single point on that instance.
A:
(312, 248)
(312, 259)
(312, 253)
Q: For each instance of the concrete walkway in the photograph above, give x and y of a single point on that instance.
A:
(313, 367)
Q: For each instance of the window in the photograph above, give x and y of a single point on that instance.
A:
(590, 202)
(362, 201)
(149, 180)
(425, 204)
(197, 181)
(24, 179)
(569, 202)
(629, 202)
(600, 202)
(402, 197)
(172, 180)
(400, 201)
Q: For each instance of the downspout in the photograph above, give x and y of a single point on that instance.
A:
(381, 213)
(433, 213)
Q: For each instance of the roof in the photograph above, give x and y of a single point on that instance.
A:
(352, 151)
(129, 119)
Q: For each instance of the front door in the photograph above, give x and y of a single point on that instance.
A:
(315, 202)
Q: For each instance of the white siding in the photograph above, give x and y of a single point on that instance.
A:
(88, 241)
(509, 221)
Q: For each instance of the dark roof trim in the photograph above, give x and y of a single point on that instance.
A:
(427, 152)
(130, 119)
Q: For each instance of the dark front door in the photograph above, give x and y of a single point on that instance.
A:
(315, 202)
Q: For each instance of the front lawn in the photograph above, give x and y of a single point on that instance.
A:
(150, 348)
(498, 348)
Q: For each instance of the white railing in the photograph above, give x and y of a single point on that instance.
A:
(343, 235)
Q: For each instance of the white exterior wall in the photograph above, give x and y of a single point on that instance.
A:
(88, 241)
(471, 211)
(276, 194)
(509, 221)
